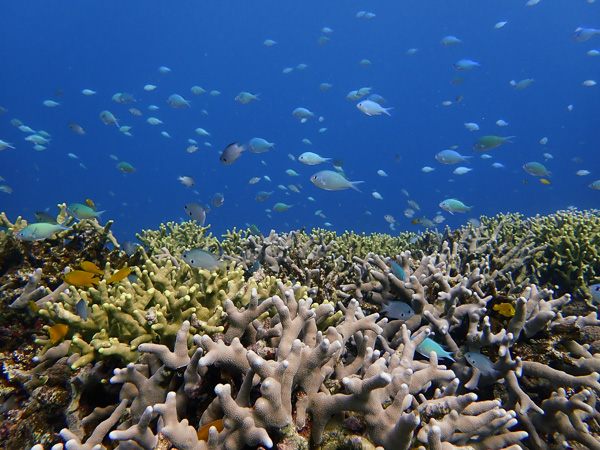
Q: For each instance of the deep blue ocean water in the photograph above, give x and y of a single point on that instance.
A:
(113, 47)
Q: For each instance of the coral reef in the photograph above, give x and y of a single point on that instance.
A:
(295, 342)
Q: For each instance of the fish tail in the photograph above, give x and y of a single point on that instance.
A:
(353, 185)
(99, 213)
(386, 110)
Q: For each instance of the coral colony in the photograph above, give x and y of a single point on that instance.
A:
(485, 337)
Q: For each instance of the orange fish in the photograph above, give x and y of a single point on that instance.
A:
(119, 275)
(80, 278)
(91, 267)
(57, 332)
(203, 432)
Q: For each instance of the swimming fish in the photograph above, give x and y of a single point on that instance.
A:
(200, 258)
(519, 85)
(291, 173)
(535, 168)
(397, 270)
(203, 432)
(501, 123)
(42, 217)
(583, 34)
(246, 97)
(280, 207)
(259, 145)
(333, 181)
(371, 108)
(202, 132)
(80, 278)
(88, 92)
(302, 113)
(197, 90)
(450, 157)
(4, 145)
(90, 267)
(108, 118)
(80, 211)
(196, 212)
(154, 121)
(595, 185)
(57, 332)
(262, 196)
(429, 345)
(471, 126)
(466, 64)
(481, 362)
(177, 101)
(461, 170)
(76, 128)
(312, 159)
(125, 167)
(505, 309)
(82, 309)
(50, 103)
(187, 181)
(489, 142)
(452, 205)
(397, 310)
(119, 275)
(447, 41)
(595, 292)
(217, 199)
(39, 231)
(232, 152)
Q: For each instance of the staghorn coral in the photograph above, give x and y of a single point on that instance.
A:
(295, 367)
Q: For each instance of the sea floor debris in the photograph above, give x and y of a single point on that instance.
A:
(289, 345)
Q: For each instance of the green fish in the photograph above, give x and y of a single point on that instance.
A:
(489, 142)
(80, 211)
(125, 167)
(429, 345)
(535, 168)
(281, 207)
(452, 205)
(39, 231)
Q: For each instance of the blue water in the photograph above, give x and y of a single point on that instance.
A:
(112, 47)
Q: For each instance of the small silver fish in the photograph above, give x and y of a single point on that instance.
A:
(200, 258)
(397, 310)
(232, 152)
(196, 212)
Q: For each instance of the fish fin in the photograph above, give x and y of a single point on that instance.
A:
(353, 185)
(99, 213)
(386, 110)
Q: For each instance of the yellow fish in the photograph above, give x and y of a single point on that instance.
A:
(119, 275)
(90, 203)
(57, 332)
(203, 431)
(91, 267)
(545, 181)
(505, 309)
(80, 278)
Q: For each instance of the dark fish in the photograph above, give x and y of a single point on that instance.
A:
(82, 309)
(217, 199)
(232, 152)
(197, 212)
(129, 247)
(42, 217)
(76, 128)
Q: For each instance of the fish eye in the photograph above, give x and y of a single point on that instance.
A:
(192, 261)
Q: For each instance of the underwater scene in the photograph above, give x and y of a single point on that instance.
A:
(300, 225)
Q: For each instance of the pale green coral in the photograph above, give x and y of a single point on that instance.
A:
(151, 309)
